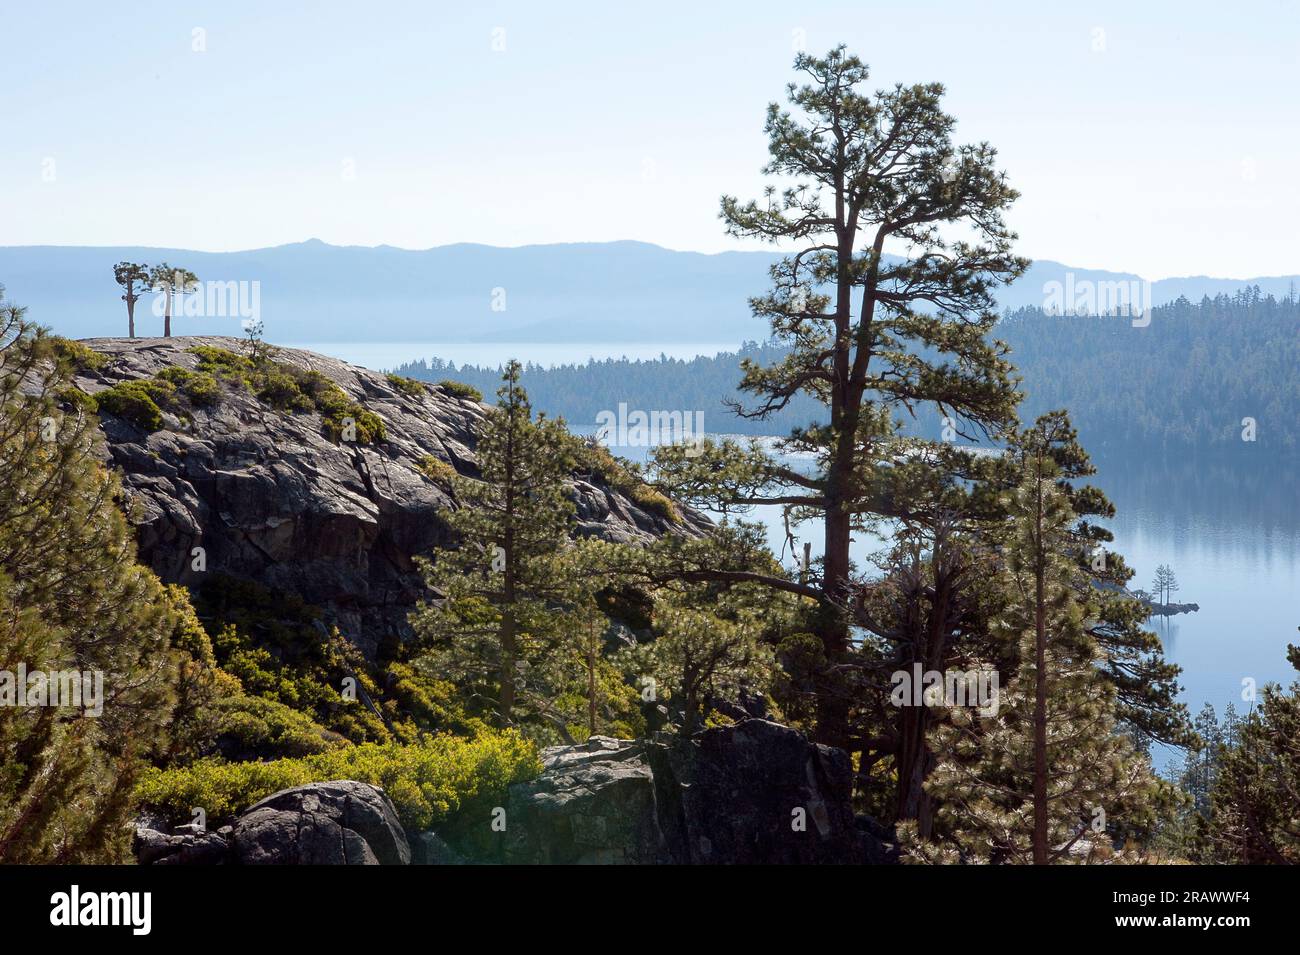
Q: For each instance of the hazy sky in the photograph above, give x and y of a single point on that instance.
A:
(1157, 138)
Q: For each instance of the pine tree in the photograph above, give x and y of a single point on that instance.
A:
(512, 590)
(1050, 772)
(1253, 817)
(867, 335)
(74, 600)
(172, 282)
(1132, 658)
(134, 279)
(707, 646)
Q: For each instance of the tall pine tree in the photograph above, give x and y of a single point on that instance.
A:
(867, 333)
(510, 589)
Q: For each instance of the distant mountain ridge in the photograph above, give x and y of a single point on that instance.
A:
(575, 292)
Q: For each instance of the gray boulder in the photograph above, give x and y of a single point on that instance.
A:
(593, 803)
(753, 793)
(759, 793)
(335, 823)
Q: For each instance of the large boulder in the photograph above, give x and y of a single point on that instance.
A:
(752, 793)
(593, 803)
(759, 793)
(335, 823)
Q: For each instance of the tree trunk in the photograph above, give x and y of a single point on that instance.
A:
(130, 313)
(591, 682)
(1040, 685)
(913, 764)
(832, 693)
(167, 316)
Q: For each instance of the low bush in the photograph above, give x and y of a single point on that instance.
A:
(407, 386)
(80, 357)
(140, 402)
(200, 387)
(437, 470)
(289, 388)
(427, 781)
(460, 390)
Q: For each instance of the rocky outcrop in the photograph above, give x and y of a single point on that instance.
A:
(1170, 610)
(270, 498)
(759, 793)
(334, 823)
(753, 793)
(756, 793)
(593, 803)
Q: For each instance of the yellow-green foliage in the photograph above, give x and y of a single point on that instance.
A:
(223, 363)
(437, 470)
(80, 357)
(140, 402)
(407, 386)
(597, 459)
(289, 388)
(199, 386)
(460, 390)
(427, 781)
(143, 400)
(273, 644)
(254, 726)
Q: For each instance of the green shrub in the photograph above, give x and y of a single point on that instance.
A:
(139, 402)
(648, 499)
(286, 387)
(336, 408)
(252, 727)
(79, 356)
(437, 470)
(223, 363)
(78, 399)
(281, 391)
(461, 390)
(427, 781)
(200, 387)
(407, 386)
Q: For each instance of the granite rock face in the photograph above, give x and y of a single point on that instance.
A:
(756, 793)
(334, 823)
(595, 803)
(270, 498)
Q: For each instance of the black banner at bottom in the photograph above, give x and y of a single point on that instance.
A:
(289, 906)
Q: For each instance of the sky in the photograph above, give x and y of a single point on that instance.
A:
(1156, 138)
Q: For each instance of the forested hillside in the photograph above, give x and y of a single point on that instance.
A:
(1183, 382)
